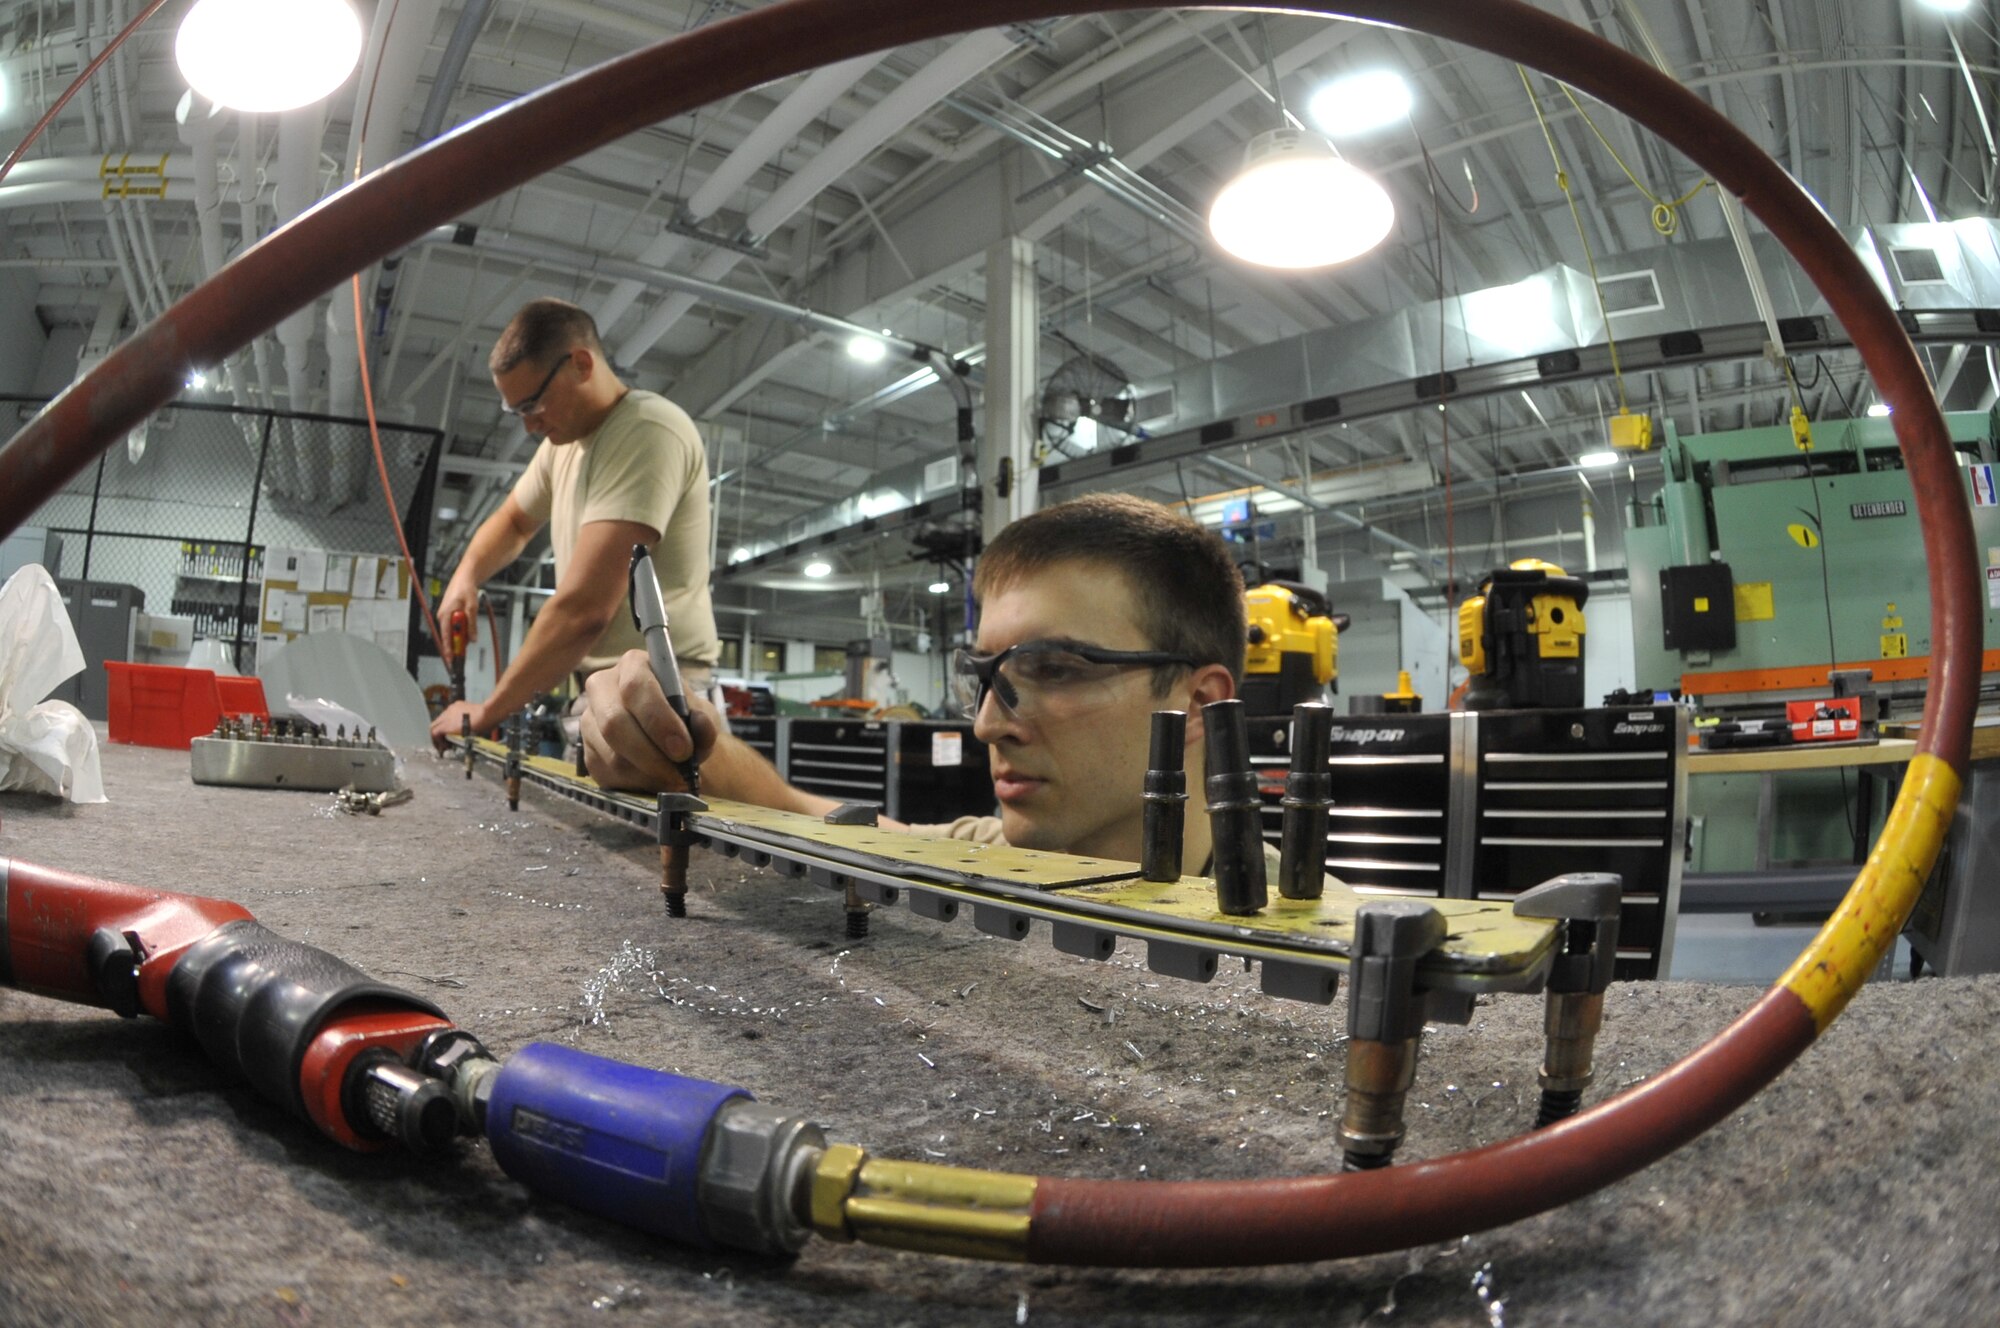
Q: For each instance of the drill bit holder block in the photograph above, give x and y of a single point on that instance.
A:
(244, 754)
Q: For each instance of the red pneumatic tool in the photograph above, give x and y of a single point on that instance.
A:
(305, 1030)
(367, 1064)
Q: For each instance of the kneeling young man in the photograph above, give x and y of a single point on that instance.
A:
(1092, 615)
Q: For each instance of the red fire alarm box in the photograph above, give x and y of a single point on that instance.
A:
(1835, 719)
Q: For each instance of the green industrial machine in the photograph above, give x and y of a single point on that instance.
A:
(1760, 564)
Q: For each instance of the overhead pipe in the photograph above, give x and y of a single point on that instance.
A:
(195, 117)
(388, 82)
(118, 84)
(148, 299)
(173, 166)
(303, 462)
(451, 67)
(79, 37)
(249, 184)
(95, 136)
(48, 193)
(1189, 1223)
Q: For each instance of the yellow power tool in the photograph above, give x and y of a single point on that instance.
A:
(1521, 638)
(1294, 647)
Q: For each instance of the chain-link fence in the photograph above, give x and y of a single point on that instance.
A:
(186, 506)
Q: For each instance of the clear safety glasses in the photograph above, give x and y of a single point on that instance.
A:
(1040, 677)
(528, 405)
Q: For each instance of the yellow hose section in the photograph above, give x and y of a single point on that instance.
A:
(1866, 924)
(920, 1206)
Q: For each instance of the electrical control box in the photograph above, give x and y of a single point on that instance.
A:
(1698, 607)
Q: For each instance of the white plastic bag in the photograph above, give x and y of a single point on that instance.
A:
(45, 746)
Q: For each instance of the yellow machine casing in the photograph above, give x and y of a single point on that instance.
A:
(1292, 652)
(1472, 634)
(1555, 618)
(1521, 638)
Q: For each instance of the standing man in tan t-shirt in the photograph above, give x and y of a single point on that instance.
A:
(616, 467)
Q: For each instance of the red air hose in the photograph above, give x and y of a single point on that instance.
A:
(1204, 1222)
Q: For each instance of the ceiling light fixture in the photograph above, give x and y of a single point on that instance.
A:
(1878, 410)
(1297, 205)
(1594, 459)
(1361, 103)
(1948, 6)
(268, 55)
(818, 568)
(940, 587)
(866, 349)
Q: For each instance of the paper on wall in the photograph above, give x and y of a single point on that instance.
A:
(366, 570)
(326, 617)
(312, 569)
(339, 567)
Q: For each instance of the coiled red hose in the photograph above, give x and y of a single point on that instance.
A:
(1205, 1223)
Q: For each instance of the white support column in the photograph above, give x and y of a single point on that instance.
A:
(1007, 443)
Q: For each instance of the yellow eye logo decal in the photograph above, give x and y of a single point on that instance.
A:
(1803, 536)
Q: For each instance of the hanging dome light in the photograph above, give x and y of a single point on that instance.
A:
(268, 55)
(1297, 205)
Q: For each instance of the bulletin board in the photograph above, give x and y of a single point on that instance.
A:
(309, 591)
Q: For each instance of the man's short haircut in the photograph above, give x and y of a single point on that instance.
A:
(1190, 594)
(540, 332)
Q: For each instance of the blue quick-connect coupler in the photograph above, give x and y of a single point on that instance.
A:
(694, 1161)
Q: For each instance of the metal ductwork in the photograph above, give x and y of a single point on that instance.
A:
(1672, 307)
(1686, 304)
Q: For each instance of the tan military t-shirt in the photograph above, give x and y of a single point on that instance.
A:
(645, 464)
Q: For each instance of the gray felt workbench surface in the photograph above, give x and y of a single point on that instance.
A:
(137, 1186)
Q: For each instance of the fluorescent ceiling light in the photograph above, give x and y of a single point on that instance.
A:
(268, 55)
(740, 554)
(1598, 459)
(447, 514)
(940, 587)
(1360, 103)
(1878, 410)
(818, 568)
(1947, 6)
(1296, 205)
(866, 349)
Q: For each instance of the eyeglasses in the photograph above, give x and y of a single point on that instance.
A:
(528, 405)
(1037, 677)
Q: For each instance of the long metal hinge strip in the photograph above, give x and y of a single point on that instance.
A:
(1298, 963)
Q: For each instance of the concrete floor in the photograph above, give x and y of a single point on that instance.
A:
(139, 1186)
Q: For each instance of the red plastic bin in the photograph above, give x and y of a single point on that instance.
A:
(152, 705)
(241, 696)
